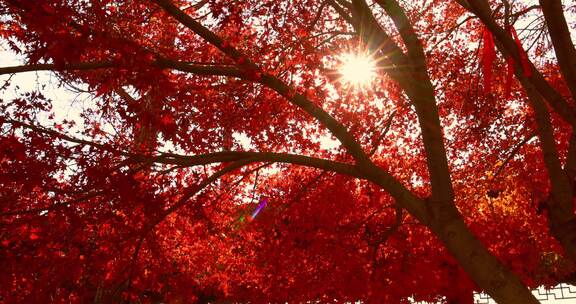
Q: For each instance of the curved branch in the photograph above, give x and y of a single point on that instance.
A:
(413, 77)
(160, 62)
(404, 197)
(209, 158)
(375, 174)
(270, 81)
(54, 67)
(229, 156)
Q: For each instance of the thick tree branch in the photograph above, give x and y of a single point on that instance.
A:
(375, 174)
(561, 217)
(481, 8)
(561, 189)
(270, 81)
(82, 66)
(198, 69)
(376, 39)
(209, 158)
(217, 70)
(402, 23)
(231, 156)
(561, 40)
(413, 78)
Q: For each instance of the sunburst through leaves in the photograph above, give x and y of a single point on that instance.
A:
(357, 70)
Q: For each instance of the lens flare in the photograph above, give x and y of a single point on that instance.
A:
(261, 206)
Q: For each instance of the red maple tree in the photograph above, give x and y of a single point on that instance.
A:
(449, 176)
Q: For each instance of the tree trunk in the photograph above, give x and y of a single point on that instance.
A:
(561, 217)
(461, 298)
(483, 267)
(564, 231)
(442, 216)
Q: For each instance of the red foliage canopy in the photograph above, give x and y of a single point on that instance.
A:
(439, 183)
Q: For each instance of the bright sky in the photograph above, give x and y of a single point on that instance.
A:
(64, 101)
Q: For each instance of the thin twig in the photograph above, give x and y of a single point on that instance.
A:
(383, 134)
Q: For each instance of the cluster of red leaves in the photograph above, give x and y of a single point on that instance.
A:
(85, 222)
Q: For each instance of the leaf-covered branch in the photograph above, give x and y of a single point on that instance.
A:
(198, 69)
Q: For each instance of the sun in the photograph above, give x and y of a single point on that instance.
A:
(357, 70)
